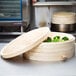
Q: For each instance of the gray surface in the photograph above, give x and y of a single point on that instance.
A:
(55, 3)
(20, 67)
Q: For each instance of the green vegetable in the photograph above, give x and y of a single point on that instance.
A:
(48, 39)
(56, 39)
(65, 38)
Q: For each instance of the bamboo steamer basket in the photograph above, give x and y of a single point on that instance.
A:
(63, 22)
(31, 45)
(53, 51)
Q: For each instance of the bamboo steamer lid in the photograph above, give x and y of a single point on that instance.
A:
(25, 42)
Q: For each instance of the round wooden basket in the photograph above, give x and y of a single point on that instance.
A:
(53, 51)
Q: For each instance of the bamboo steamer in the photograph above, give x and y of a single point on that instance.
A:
(32, 47)
(53, 51)
(63, 22)
(63, 18)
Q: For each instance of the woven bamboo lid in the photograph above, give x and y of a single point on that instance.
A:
(25, 42)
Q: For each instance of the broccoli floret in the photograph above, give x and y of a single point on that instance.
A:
(56, 39)
(48, 40)
(65, 38)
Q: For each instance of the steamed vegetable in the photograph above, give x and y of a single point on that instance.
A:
(48, 40)
(65, 38)
(56, 39)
